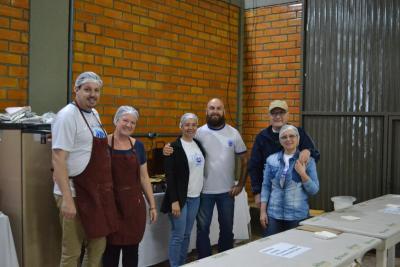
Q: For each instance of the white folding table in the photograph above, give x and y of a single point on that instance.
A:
(377, 218)
(340, 251)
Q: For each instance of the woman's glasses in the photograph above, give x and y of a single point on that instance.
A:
(286, 137)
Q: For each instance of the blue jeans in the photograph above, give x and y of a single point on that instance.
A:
(181, 228)
(277, 226)
(225, 206)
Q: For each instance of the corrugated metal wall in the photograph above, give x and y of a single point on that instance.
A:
(351, 88)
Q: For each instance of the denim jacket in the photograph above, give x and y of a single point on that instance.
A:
(266, 144)
(289, 202)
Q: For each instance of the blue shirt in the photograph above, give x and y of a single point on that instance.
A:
(140, 151)
(290, 201)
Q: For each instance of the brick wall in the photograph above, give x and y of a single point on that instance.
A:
(164, 57)
(272, 64)
(14, 37)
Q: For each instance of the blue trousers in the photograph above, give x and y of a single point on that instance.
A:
(277, 226)
(225, 206)
(181, 228)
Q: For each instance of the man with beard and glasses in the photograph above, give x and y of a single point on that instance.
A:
(222, 144)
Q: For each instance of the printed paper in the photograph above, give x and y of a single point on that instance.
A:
(284, 250)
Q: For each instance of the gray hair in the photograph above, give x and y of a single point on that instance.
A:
(122, 110)
(88, 77)
(288, 127)
(187, 116)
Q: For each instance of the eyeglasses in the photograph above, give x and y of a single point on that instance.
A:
(290, 136)
(279, 113)
(127, 122)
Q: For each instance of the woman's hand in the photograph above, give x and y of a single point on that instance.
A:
(175, 209)
(301, 170)
(300, 167)
(153, 215)
(263, 219)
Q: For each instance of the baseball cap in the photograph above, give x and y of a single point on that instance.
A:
(278, 104)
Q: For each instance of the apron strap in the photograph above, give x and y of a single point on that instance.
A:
(133, 151)
(130, 141)
(84, 118)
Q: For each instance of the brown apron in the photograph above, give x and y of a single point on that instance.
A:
(129, 198)
(94, 191)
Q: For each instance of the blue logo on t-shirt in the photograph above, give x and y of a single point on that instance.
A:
(230, 143)
(198, 159)
(99, 133)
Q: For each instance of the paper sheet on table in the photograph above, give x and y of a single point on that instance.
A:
(325, 235)
(391, 210)
(392, 205)
(350, 218)
(284, 250)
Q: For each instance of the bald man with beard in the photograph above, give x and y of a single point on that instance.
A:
(222, 144)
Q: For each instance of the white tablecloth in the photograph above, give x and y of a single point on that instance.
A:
(154, 246)
(8, 256)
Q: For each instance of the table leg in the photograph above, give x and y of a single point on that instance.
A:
(391, 257)
(381, 258)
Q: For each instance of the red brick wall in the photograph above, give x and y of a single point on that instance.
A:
(164, 57)
(168, 57)
(14, 37)
(272, 64)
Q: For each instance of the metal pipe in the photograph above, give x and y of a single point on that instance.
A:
(239, 101)
(152, 135)
(70, 52)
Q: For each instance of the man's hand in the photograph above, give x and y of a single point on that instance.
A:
(235, 190)
(257, 199)
(304, 156)
(175, 209)
(68, 209)
(168, 150)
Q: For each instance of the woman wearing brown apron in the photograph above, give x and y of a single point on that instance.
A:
(131, 179)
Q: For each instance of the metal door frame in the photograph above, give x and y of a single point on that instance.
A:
(391, 119)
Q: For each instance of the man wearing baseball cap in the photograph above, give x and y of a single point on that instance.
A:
(267, 143)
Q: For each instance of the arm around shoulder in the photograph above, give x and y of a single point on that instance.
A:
(306, 142)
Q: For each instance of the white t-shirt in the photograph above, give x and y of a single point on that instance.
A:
(220, 146)
(196, 167)
(70, 133)
(286, 158)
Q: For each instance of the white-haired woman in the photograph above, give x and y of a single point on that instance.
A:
(287, 184)
(184, 171)
(130, 177)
